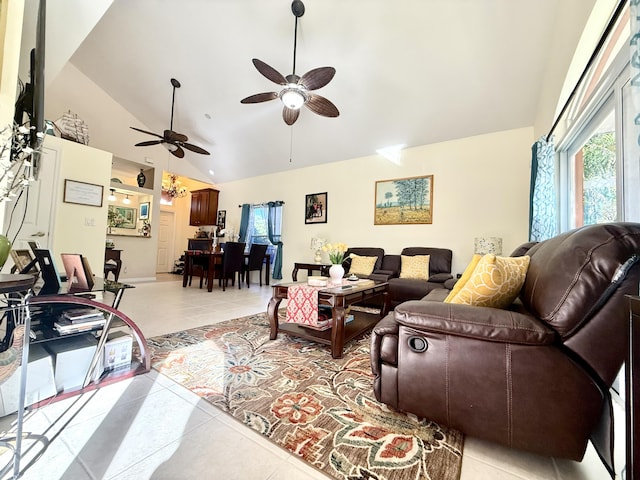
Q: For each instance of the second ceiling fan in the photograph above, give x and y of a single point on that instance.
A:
(173, 141)
(297, 90)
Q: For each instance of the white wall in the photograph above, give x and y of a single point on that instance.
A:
(80, 228)
(481, 188)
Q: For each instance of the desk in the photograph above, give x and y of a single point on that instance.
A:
(309, 267)
(215, 257)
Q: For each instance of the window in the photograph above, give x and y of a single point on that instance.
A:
(258, 228)
(594, 172)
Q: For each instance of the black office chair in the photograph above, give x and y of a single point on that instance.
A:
(199, 266)
(232, 264)
(255, 262)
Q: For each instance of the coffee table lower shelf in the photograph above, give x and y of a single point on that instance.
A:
(361, 323)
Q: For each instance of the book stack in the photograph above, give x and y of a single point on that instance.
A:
(79, 320)
(325, 319)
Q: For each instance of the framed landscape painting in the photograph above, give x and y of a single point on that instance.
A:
(122, 217)
(315, 210)
(404, 201)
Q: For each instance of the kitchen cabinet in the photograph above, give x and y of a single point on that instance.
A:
(204, 207)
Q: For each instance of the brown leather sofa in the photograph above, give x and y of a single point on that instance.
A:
(387, 269)
(535, 376)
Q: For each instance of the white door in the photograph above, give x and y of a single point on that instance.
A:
(164, 262)
(39, 218)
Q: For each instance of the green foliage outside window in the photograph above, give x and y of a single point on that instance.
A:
(599, 188)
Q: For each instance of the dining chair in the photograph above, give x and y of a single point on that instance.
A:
(199, 266)
(254, 262)
(232, 264)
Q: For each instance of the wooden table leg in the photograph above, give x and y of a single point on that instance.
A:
(272, 315)
(212, 265)
(337, 332)
(186, 268)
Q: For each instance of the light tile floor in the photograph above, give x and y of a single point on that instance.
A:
(150, 427)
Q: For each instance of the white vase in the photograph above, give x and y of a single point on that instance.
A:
(336, 272)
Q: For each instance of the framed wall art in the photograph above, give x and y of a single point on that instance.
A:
(144, 210)
(122, 217)
(221, 222)
(82, 193)
(315, 210)
(404, 201)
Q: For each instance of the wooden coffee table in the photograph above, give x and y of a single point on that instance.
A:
(338, 298)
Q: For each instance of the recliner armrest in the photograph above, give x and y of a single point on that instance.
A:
(381, 275)
(482, 323)
(440, 277)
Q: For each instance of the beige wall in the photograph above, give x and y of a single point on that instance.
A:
(481, 188)
(80, 228)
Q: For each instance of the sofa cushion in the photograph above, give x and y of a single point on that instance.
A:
(466, 275)
(361, 265)
(495, 282)
(415, 266)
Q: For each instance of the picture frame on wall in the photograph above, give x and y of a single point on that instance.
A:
(123, 217)
(221, 222)
(404, 201)
(144, 210)
(82, 193)
(315, 210)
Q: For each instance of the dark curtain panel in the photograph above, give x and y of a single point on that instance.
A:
(275, 229)
(244, 222)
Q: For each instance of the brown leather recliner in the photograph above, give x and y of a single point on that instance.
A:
(535, 376)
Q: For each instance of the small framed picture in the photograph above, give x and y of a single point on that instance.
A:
(82, 193)
(316, 208)
(404, 201)
(144, 210)
(222, 219)
(21, 260)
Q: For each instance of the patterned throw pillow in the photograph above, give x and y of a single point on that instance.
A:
(495, 282)
(362, 265)
(415, 266)
(466, 275)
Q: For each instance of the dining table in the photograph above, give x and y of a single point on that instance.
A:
(215, 258)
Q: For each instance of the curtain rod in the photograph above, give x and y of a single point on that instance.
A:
(596, 51)
(281, 202)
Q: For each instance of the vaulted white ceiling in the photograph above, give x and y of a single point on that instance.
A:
(409, 72)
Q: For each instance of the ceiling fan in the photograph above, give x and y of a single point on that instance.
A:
(297, 90)
(173, 141)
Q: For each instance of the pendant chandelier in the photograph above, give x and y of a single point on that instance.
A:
(173, 188)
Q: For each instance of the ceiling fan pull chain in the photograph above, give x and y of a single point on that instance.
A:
(291, 145)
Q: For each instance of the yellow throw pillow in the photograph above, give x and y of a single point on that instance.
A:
(415, 266)
(362, 265)
(466, 275)
(495, 282)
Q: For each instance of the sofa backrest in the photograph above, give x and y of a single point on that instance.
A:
(439, 261)
(567, 276)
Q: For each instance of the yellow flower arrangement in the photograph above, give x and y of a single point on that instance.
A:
(335, 251)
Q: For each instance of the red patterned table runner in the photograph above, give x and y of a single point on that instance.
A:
(302, 305)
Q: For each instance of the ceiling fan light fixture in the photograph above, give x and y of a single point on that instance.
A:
(171, 147)
(293, 97)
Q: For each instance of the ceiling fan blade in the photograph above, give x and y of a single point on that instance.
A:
(148, 142)
(178, 152)
(193, 148)
(148, 133)
(317, 78)
(321, 106)
(172, 136)
(260, 97)
(269, 72)
(290, 115)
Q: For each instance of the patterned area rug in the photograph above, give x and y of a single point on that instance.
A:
(294, 393)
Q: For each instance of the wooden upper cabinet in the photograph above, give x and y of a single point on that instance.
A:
(204, 207)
